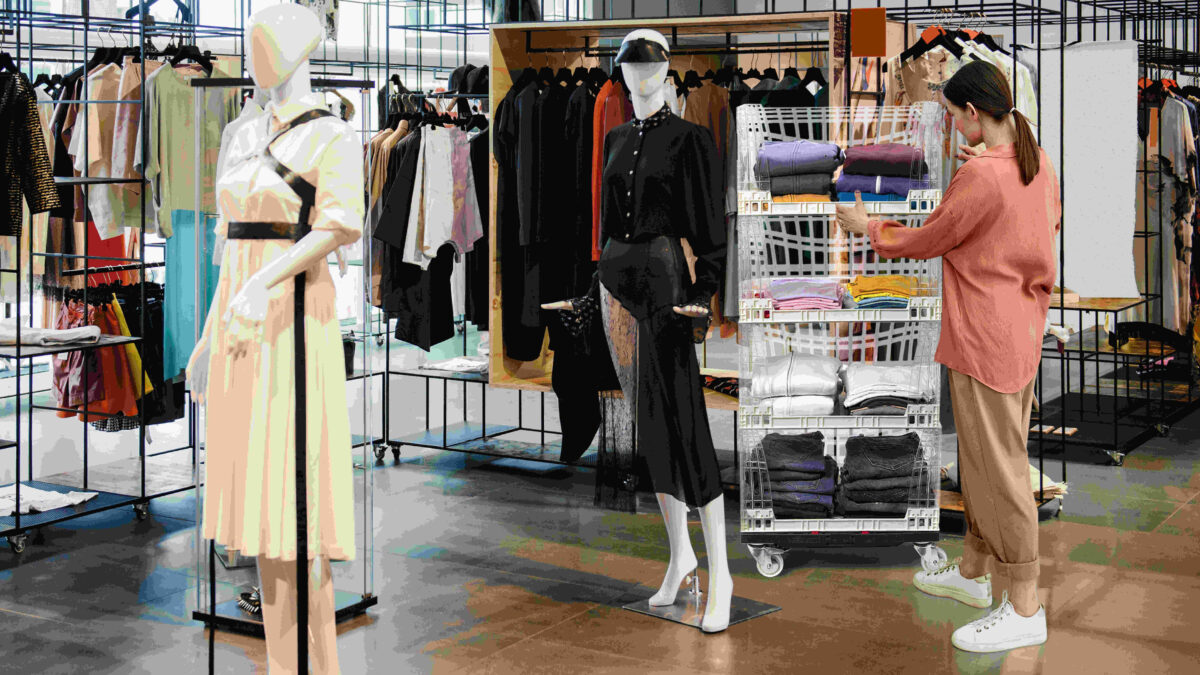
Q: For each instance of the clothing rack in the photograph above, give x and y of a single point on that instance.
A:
(60, 38)
(113, 268)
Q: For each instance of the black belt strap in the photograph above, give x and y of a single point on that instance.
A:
(266, 230)
(294, 231)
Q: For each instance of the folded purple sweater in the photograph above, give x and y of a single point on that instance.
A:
(790, 158)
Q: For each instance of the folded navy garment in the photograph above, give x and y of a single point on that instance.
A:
(789, 158)
(803, 184)
(867, 405)
(905, 482)
(870, 197)
(894, 185)
(790, 499)
(821, 486)
(784, 476)
(886, 159)
(795, 452)
(801, 511)
(881, 456)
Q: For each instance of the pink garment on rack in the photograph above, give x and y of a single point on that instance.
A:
(807, 303)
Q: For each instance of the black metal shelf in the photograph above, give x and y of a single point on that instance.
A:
(95, 180)
(34, 351)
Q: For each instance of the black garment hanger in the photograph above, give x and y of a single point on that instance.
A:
(545, 76)
(708, 75)
(564, 76)
(753, 75)
(579, 75)
(770, 74)
(691, 80)
(527, 75)
(597, 77)
(723, 76)
(813, 74)
(41, 79)
(941, 40)
(99, 58)
(1190, 90)
(185, 14)
(7, 64)
(790, 71)
(989, 42)
(193, 53)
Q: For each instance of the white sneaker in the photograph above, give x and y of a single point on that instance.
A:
(947, 582)
(1002, 630)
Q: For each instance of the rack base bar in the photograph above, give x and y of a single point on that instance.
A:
(103, 501)
(790, 540)
(230, 618)
(689, 609)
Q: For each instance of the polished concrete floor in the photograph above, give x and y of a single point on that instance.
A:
(485, 566)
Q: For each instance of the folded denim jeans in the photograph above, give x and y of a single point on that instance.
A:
(785, 475)
(821, 486)
(881, 456)
(850, 507)
(788, 499)
(897, 495)
(795, 452)
(905, 482)
(801, 511)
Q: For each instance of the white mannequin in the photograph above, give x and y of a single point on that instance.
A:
(281, 38)
(647, 84)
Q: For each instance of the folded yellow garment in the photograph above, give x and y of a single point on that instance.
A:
(883, 285)
(799, 199)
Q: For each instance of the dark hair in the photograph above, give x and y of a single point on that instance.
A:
(984, 85)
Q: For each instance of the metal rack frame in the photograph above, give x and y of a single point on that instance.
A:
(24, 25)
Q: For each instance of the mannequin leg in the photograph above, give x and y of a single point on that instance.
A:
(683, 558)
(720, 583)
(278, 579)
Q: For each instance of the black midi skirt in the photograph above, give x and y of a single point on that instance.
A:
(655, 359)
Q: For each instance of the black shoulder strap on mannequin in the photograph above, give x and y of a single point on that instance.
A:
(304, 189)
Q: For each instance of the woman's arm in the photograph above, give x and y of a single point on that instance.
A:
(962, 207)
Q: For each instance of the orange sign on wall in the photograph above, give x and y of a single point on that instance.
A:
(868, 32)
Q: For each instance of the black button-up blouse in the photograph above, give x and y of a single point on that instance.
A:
(662, 177)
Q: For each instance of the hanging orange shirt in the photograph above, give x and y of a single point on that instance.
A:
(996, 239)
(613, 108)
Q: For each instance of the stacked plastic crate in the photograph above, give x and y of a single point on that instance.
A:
(802, 240)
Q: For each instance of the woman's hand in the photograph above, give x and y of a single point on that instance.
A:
(245, 316)
(966, 152)
(561, 305)
(853, 219)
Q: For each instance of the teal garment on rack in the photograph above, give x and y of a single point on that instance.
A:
(179, 292)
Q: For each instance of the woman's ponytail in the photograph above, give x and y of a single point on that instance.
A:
(984, 85)
(1029, 158)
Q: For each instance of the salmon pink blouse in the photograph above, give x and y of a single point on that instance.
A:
(997, 240)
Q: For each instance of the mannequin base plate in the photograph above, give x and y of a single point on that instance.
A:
(689, 608)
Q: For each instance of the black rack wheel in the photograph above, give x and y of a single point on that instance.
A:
(17, 543)
(142, 510)
(380, 452)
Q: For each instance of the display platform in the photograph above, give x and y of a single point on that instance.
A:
(689, 607)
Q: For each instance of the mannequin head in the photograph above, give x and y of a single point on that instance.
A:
(644, 65)
(281, 38)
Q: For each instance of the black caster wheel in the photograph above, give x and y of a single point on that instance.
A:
(380, 452)
(1163, 430)
(142, 511)
(629, 481)
(1115, 458)
(17, 543)
(396, 454)
(378, 340)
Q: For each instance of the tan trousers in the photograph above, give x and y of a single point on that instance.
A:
(993, 462)
(278, 578)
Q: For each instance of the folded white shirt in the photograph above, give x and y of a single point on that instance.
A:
(864, 381)
(800, 406)
(460, 364)
(34, 500)
(796, 375)
(46, 337)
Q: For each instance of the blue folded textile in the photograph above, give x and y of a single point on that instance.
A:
(869, 197)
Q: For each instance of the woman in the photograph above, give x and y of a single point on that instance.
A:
(995, 230)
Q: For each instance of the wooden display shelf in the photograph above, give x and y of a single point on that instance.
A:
(1074, 302)
(953, 501)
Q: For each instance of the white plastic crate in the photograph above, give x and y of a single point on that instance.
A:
(919, 126)
(757, 202)
(908, 343)
(761, 310)
(758, 516)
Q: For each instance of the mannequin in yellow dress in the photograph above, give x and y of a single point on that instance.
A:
(290, 192)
